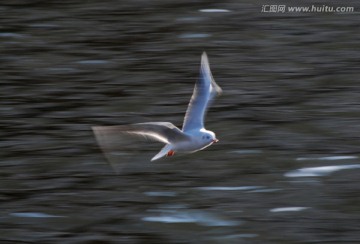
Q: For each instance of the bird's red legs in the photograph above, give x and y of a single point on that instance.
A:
(170, 153)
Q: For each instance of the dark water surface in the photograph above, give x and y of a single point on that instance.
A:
(286, 169)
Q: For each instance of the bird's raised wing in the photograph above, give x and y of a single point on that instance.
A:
(204, 92)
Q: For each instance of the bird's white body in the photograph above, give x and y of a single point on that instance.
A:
(193, 136)
(197, 140)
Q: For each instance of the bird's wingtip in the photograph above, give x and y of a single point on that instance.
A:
(156, 157)
(205, 66)
(204, 61)
(203, 55)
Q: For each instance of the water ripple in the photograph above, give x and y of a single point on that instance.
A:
(244, 151)
(319, 171)
(95, 61)
(11, 35)
(214, 10)
(189, 216)
(160, 193)
(34, 215)
(288, 209)
(194, 35)
(328, 158)
(229, 188)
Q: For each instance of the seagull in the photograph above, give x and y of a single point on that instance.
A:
(193, 136)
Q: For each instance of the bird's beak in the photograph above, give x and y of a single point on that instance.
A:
(215, 140)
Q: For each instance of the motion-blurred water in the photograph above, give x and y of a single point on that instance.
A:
(286, 169)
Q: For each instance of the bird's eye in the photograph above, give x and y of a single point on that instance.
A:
(207, 137)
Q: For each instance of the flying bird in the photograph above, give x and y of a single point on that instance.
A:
(193, 136)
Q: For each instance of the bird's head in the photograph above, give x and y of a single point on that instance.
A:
(209, 137)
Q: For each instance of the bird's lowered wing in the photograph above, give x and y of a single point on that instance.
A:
(121, 140)
(159, 131)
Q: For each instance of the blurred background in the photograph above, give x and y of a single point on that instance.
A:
(286, 169)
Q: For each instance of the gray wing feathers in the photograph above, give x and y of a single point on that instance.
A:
(113, 139)
(204, 92)
(159, 131)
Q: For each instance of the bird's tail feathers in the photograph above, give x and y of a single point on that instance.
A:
(162, 152)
